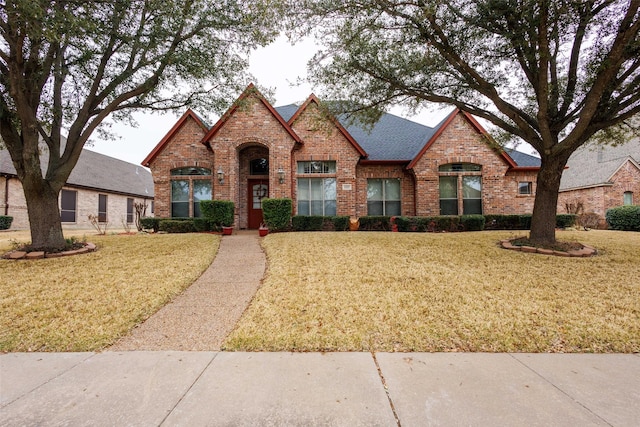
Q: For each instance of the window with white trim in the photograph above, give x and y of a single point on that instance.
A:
(317, 196)
(68, 204)
(383, 196)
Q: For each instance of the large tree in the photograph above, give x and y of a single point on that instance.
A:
(551, 73)
(67, 65)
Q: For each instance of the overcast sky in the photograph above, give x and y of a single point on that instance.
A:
(277, 66)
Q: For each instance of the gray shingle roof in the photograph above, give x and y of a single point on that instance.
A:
(396, 138)
(593, 165)
(99, 172)
(522, 159)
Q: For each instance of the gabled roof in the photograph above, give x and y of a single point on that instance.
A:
(594, 165)
(251, 90)
(313, 100)
(477, 127)
(97, 172)
(189, 114)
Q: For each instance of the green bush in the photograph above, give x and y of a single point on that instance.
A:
(319, 223)
(507, 222)
(624, 218)
(150, 223)
(340, 223)
(472, 222)
(202, 224)
(566, 220)
(5, 222)
(176, 225)
(307, 223)
(219, 213)
(276, 213)
(375, 223)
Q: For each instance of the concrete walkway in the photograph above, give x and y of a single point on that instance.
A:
(202, 316)
(313, 389)
(212, 388)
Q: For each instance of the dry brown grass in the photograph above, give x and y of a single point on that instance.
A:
(443, 292)
(86, 302)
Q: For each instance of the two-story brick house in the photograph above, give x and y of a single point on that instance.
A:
(329, 167)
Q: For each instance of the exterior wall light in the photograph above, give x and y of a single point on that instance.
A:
(220, 174)
(281, 175)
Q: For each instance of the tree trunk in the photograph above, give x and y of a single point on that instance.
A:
(44, 214)
(543, 221)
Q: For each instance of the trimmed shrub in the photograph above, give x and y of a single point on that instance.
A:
(319, 223)
(340, 223)
(472, 222)
(624, 218)
(219, 213)
(150, 223)
(307, 223)
(566, 220)
(177, 225)
(507, 222)
(276, 213)
(375, 223)
(202, 224)
(5, 222)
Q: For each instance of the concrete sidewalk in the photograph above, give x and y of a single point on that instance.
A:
(335, 389)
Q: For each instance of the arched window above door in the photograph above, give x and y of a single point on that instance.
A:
(259, 166)
(190, 170)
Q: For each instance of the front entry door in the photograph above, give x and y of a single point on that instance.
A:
(258, 190)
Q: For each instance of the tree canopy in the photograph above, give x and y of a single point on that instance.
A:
(66, 65)
(551, 73)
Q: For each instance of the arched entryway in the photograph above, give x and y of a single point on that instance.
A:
(253, 184)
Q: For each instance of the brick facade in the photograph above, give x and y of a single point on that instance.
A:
(252, 129)
(597, 199)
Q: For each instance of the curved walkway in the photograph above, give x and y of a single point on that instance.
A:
(202, 316)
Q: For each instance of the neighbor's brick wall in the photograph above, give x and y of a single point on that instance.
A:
(16, 201)
(599, 199)
(86, 204)
(460, 143)
(183, 150)
(323, 141)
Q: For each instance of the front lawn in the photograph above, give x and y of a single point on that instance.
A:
(85, 302)
(443, 292)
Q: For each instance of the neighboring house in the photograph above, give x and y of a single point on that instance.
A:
(599, 177)
(330, 167)
(98, 185)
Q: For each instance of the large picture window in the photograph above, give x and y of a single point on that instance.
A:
(68, 202)
(201, 191)
(179, 199)
(317, 196)
(468, 178)
(383, 197)
(448, 195)
(188, 188)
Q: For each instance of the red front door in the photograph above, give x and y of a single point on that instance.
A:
(258, 190)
